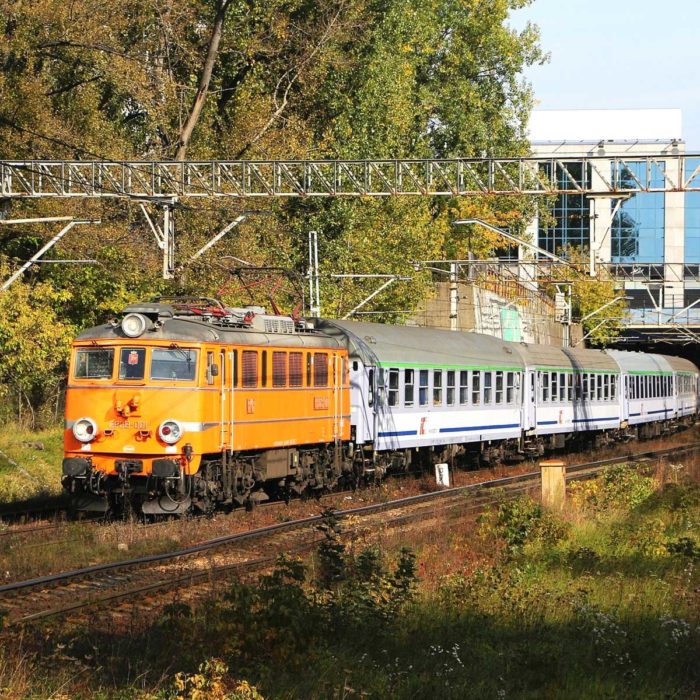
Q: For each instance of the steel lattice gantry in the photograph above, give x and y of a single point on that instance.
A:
(336, 178)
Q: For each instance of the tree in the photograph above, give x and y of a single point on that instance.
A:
(588, 294)
(34, 342)
(290, 79)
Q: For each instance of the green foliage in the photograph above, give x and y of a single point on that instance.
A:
(282, 618)
(34, 343)
(292, 80)
(591, 293)
(599, 614)
(523, 521)
(210, 683)
(685, 546)
(618, 487)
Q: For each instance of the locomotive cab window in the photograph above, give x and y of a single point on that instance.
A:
(174, 365)
(94, 364)
(132, 363)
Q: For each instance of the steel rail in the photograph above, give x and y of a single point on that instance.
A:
(340, 514)
(447, 500)
(262, 563)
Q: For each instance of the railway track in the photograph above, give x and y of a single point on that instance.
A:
(136, 581)
(54, 513)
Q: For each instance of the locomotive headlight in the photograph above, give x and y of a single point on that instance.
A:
(85, 429)
(170, 431)
(134, 325)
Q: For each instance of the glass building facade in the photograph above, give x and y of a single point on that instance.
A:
(572, 226)
(692, 218)
(637, 233)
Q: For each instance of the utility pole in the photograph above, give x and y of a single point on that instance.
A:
(454, 298)
(314, 293)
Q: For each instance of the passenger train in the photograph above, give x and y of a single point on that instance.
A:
(188, 404)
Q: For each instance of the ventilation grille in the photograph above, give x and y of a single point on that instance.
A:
(273, 324)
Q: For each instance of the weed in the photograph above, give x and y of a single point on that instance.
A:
(210, 683)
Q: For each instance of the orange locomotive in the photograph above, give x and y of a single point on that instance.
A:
(187, 403)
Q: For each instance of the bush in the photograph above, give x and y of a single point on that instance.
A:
(684, 546)
(523, 521)
(618, 487)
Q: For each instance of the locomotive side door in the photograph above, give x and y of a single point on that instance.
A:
(225, 362)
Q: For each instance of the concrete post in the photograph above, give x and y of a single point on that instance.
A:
(553, 474)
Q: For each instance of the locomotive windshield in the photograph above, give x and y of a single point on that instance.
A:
(132, 363)
(94, 364)
(173, 364)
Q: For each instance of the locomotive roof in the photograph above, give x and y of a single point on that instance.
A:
(193, 330)
(374, 343)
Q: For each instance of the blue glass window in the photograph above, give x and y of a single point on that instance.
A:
(638, 225)
(571, 212)
(692, 215)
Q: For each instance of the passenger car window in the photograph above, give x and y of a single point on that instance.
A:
(476, 388)
(94, 364)
(510, 387)
(132, 363)
(488, 387)
(393, 387)
(450, 387)
(499, 387)
(437, 387)
(463, 387)
(408, 387)
(423, 388)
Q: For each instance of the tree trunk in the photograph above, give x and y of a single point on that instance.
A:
(204, 80)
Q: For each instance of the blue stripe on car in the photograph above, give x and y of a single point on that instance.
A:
(466, 428)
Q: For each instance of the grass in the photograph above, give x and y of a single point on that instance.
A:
(30, 464)
(600, 603)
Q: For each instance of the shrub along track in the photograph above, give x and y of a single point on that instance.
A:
(140, 583)
(53, 513)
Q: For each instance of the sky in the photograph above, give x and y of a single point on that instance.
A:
(607, 54)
